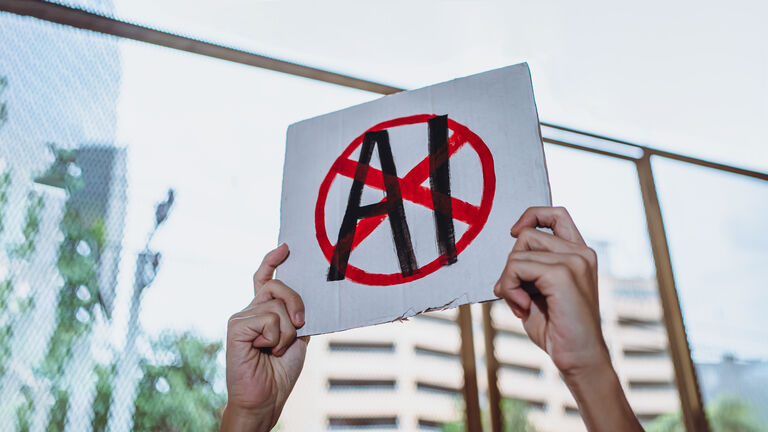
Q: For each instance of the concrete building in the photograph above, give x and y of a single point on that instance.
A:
(407, 375)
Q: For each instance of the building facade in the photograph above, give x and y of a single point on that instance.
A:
(408, 376)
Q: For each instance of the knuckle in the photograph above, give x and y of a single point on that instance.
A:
(590, 256)
(272, 318)
(579, 263)
(526, 234)
(232, 321)
(560, 272)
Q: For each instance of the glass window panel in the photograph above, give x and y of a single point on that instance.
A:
(715, 225)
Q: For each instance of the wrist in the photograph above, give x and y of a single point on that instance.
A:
(586, 375)
(239, 419)
(600, 398)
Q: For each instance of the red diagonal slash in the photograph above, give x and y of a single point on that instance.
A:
(411, 188)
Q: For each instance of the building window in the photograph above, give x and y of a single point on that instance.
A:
(572, 411)
(437, 388)
(535, 405)
(336, 423)
(641, 385)
(424, 351)
(373, 347)
(430, 425)
(527, 370)
(639, 323)
(361, 384)
(645, 353)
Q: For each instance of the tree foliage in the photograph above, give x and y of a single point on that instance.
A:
(727, 413)
(178, 395)
(515, 413)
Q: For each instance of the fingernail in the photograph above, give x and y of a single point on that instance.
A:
(299, 317)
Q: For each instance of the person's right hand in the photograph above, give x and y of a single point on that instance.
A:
(264, 357)
(564, 320)
(561, 315)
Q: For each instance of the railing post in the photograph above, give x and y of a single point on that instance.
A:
(685, 373)
(471, 398)
(492, 368)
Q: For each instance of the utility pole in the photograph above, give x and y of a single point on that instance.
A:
(128, 372)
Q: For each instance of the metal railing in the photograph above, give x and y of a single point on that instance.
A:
(690, 396)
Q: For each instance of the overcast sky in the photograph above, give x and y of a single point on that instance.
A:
(689, 77)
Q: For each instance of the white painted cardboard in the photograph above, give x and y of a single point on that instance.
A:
(499, 107)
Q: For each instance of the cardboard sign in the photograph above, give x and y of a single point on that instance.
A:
(404, 204)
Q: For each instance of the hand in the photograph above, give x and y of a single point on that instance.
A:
(564, 319)
(264, 357)
(560, 312)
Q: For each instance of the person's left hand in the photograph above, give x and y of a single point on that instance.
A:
(264, 357)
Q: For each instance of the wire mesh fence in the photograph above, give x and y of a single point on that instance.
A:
(63, 187)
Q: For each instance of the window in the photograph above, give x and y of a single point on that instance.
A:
(432, 352)
(519, 368)
(362, 422)
(371, 347)
(361, 384)
(437, 388)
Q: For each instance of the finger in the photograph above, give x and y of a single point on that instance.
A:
(550, 279)
(258, 328)
(535, 324)
(287, 330)
(556, 218)
(268, 265)
(575, 262)
(275, 289)
(531, 239)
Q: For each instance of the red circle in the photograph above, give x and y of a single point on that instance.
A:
(489, 186)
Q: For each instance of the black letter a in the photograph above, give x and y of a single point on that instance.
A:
(392, 207)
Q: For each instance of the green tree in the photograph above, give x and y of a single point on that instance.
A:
(515, 414)
(178, 395)
(725, 414)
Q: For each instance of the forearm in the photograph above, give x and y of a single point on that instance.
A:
(602, 403)
(234, 420)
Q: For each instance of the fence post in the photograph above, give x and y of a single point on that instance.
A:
(685, 373)
(471, 398)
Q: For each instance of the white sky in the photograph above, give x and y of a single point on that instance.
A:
(690, 77)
